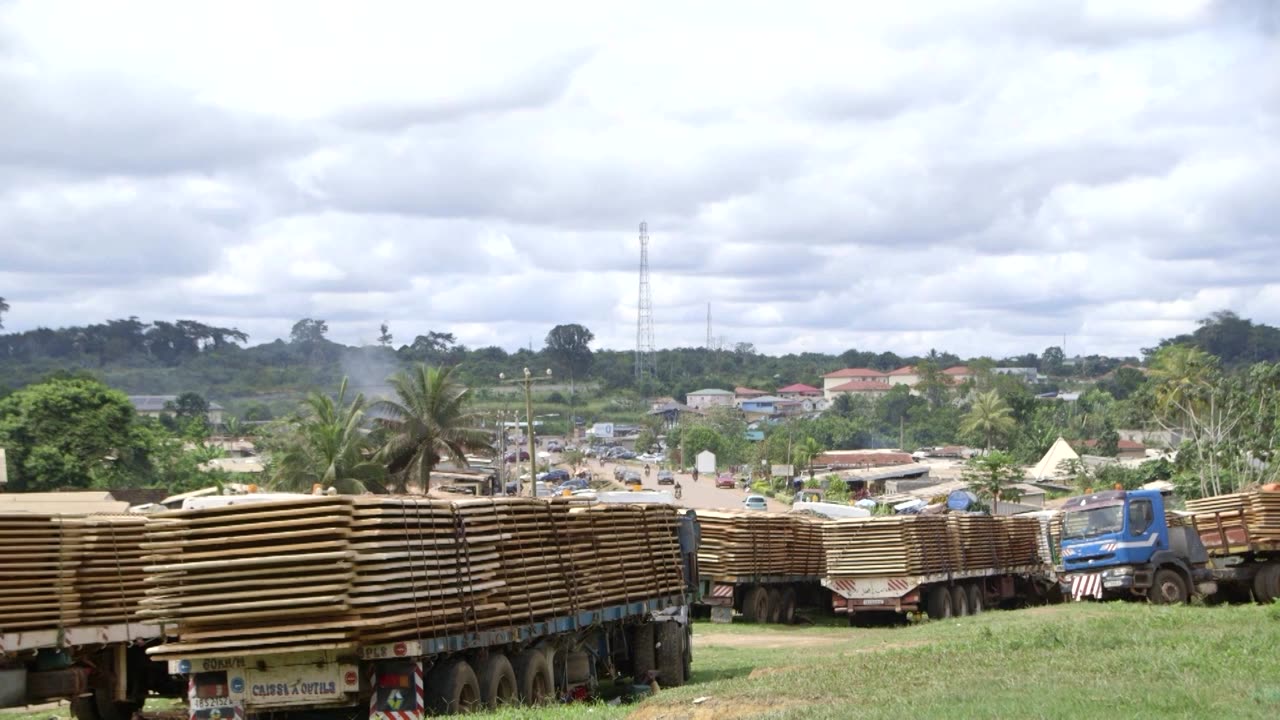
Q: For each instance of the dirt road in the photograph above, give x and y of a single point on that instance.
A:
(700, 495)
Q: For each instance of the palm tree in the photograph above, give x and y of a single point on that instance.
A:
(1181, 375)
(428, 422)
(329, 446)
(804, 453)
(989, 417)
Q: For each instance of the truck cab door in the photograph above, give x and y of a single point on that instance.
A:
(1145, 532)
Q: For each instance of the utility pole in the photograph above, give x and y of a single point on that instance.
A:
(708, 326)
(527, 381)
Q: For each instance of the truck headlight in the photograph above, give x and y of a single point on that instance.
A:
(1117, 572)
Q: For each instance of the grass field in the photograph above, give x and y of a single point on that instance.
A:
(1069, 661)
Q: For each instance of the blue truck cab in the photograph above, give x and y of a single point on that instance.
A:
(1118, 544)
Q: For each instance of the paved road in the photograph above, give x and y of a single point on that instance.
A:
(702, 494)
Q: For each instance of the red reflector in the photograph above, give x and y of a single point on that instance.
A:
(393, 681)
(211, 691)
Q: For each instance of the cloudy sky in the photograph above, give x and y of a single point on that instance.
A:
(826, 175)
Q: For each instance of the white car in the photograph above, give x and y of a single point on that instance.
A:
(755, 502)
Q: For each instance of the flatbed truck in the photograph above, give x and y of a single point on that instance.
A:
(560, 658)
(759, 598)
(1120, 545)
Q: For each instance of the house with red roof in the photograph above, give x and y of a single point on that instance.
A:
(840, 377)
(905, 375)
(745, 393)
(798, 391)
(858, 388)
(959, 374)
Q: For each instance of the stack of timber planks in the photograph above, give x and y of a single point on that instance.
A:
(37, 571)
(330, 572)
(746, 544)
(1236, 521)
(929, 544)
(59, 571)
(109, 577)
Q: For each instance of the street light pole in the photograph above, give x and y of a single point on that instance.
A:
(527, 381)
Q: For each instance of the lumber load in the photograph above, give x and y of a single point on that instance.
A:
(37, 571)
(928, 544)
(331, 572)
(1239, 521)
(741, 544)
(109, 577)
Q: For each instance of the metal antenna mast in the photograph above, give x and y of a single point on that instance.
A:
(708, 326)
(644, 312)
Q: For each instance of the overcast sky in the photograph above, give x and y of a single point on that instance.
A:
(826, 175)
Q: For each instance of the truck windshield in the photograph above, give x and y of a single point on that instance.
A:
(1092, 522)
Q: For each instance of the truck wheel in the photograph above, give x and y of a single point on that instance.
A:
(938, 606)
(775, 605)
(670, 654)
(788, 615)
(84, 708)
(688, 652)
(642, 651)
(1266, 584)
(976, 601)
(452, 687)
(959, 601)
(497, 682)
(755, 606)
(1167, 588)
(109, 709)
(533, 677)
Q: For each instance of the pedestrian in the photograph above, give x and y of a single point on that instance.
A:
(695, 474)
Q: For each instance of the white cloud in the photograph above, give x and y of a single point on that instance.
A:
(984, 179)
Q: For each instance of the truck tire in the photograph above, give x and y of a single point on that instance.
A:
(788, 615)
(534, 685)
(775, 605)
(1167, 588)
(1266, 584)
(755, 605)
(959, 601)
(642, 651)
(497, 682)
(452, 687)
(976, 599)
(109, 709)
(85, 708)
(670, 654)
(938, 605)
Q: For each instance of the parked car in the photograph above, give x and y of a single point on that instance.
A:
(725, 480)
(626, 455)
(651, 457)
(666, 477)
(554, 477)
(517, 455)
(573, 484)
(755, 502)
(618, 472)
(554, 446)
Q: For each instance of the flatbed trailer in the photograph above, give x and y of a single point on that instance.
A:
(559, 658)
(759, 598)
(102, 670)
(939, 595)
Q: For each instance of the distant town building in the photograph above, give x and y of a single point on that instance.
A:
(905, 375)
(860, 388)
(156, 405)
(797, 391)
(709, 398)
(847, 375)
(1027, 375)
(959, 374)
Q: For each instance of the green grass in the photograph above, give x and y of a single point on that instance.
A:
(1118, 660)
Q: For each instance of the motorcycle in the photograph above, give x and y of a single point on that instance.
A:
(677, 491)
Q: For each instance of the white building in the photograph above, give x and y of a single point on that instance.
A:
(708, 398)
